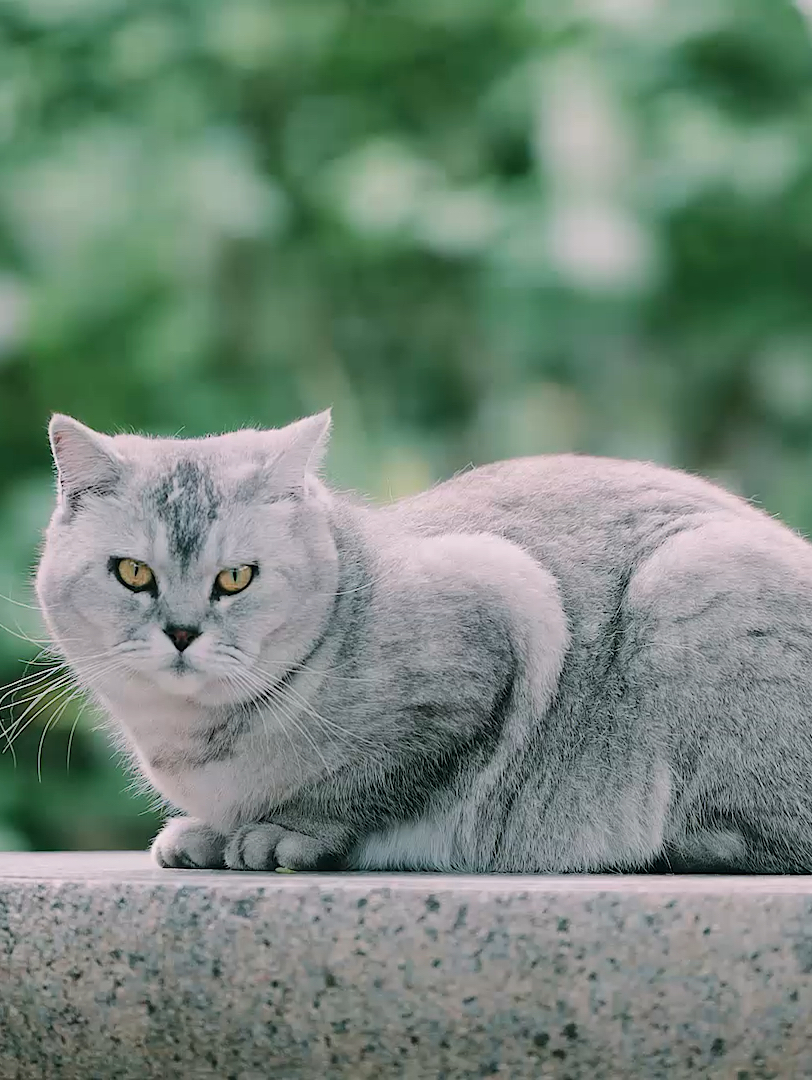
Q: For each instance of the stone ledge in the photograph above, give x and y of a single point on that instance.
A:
(111, 969)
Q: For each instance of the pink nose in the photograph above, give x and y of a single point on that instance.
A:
(181, 636)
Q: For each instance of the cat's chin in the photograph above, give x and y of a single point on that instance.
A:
(196, 686)
(185, 684)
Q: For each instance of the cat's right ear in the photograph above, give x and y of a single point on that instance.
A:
(85, 460)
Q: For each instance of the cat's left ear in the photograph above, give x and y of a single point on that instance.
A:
(302, 448)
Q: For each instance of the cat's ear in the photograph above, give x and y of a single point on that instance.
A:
(85, 460)
(301, 449)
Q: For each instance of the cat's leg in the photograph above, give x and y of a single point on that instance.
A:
(721, 849)
(266, 846)
(752, 841)
(189, 844)
(726, 613)
(780, 847)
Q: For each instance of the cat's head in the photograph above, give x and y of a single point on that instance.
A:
(202, 567)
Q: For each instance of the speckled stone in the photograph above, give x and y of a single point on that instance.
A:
(111, 969)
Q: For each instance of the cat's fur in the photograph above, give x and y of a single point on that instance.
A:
(552, 664)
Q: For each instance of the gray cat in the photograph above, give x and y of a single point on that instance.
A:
(551, 664)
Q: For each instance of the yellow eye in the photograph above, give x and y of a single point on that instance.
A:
(235, 579)
(134, 575)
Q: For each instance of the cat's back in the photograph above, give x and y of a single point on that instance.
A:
(596, 523)
(557, 500)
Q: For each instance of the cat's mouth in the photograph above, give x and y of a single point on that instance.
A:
(181, 666)
(180, 677)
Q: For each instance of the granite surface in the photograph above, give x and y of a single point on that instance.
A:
(110, 969)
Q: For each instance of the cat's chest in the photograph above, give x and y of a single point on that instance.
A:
(226, 789)
(217, 793)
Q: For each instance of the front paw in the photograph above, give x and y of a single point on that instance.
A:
(189, 844)
(263, 846)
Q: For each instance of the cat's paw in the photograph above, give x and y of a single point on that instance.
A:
(264, 846)
(189, 844)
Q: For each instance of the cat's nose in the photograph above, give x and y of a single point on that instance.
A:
(181, 636)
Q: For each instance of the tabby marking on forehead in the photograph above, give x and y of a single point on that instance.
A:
(187, 503)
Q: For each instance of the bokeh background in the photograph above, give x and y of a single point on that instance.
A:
(477, 228)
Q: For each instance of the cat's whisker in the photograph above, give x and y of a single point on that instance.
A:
(355, 738)
(241, 681)
(255, 688)
(393, 572)
(52, 701)
(264, 694)
(328, 675)
(27, 634)
(53, 661)
(7, 731)
(39, 705)
(21, 635)
(278, 703)
(38, 690)
(52, 721)
(29, 681)
(76, 720)
(296, 702)
(53, 693)
(34, 606)
(51, 678)
(19, 603)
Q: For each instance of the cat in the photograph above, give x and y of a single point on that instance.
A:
(553, 664)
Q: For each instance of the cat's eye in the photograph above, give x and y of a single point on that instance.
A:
(134, 575)
(234, 580)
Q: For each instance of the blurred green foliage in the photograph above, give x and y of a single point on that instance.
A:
(478, 228)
